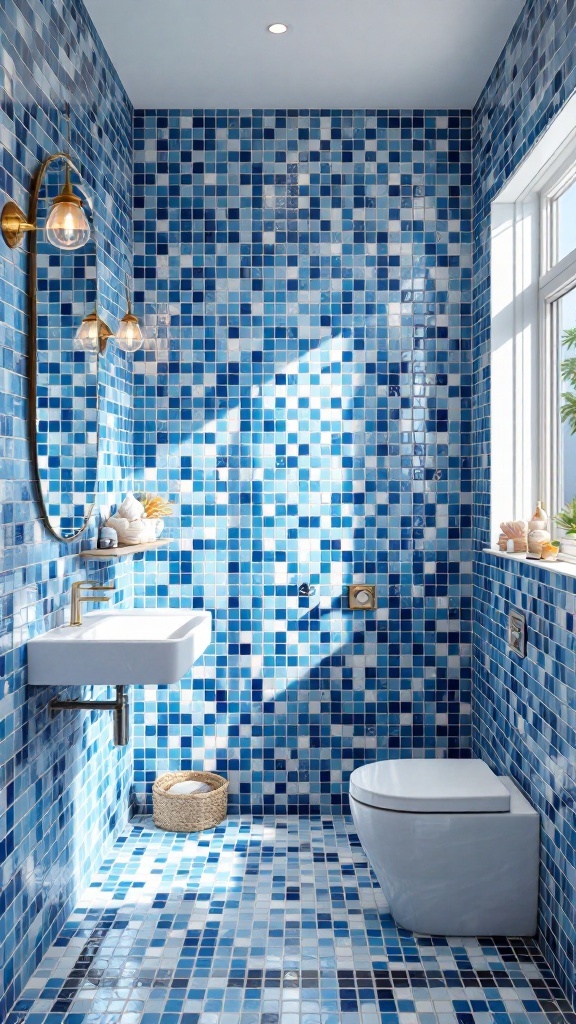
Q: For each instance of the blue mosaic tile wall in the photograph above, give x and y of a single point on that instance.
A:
(64, 787)
(524, 717)
(311, 422)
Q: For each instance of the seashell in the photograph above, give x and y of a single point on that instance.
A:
(159, 524)
(128, 532)
(513, 529)
(131, 508)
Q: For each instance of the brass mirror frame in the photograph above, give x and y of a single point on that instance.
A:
(33, 334)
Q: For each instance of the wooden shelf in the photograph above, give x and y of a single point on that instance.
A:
(124, 549)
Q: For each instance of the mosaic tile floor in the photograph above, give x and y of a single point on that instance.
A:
(268, 921)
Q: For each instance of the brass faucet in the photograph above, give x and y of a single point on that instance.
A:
(76, 600)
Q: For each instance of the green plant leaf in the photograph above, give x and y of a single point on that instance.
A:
(569, 338)
(566, 518)
(568, 410)
(568, 370)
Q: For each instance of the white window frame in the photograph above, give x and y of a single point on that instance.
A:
(557, 277)
(525, 373)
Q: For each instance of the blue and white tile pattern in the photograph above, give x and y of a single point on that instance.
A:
(269, 921)
(524, 712)
(311, 422)
(61, 781)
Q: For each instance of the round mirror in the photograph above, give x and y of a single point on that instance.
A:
(63, 371)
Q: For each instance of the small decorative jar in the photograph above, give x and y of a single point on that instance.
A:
(107, 537)
(550, 550)
(537, 532)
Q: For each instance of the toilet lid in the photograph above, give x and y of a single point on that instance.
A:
(430, 786)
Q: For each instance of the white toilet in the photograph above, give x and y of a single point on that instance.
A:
(454, 847)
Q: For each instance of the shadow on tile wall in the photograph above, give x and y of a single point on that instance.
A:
(62, 782)
(310, 420)
(524, 712)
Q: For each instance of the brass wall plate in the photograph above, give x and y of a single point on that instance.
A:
(104, 333)
(14, 224)
(362, 596)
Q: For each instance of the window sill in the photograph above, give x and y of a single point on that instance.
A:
(563, 568)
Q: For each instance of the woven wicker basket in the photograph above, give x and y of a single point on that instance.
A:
(189, 812)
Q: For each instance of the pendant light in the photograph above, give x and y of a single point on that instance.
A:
(92, 334)
(67, 226)
(129, 336)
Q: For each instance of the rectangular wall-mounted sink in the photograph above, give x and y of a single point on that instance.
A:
(120, 648)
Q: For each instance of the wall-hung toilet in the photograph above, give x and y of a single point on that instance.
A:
(454, 847)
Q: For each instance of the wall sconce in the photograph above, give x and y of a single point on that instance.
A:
(67, 226)
(92, 334)
(129, 336)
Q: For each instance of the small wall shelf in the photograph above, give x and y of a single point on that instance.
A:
(123, 550)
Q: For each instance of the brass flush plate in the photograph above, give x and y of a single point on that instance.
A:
(362, 596)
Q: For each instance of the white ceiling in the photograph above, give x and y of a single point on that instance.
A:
(337, 53)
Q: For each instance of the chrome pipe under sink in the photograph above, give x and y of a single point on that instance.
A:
(119, 707)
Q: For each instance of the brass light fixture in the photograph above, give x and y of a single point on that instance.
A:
(129, 336)
(67, 226)
(92, 334)
(14, 224)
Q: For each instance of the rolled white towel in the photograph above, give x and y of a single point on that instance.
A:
(185, 788)
(148, 529)
(128, 532)
(131, 508)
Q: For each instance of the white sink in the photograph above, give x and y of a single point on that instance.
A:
(120, 648)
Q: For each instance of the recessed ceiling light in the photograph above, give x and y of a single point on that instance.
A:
(278, 28)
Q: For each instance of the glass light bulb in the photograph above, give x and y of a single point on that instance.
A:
(129, 336)
(67, 226)
(87, 336)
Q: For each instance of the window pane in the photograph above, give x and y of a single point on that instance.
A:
(567, 325)
(566, 221)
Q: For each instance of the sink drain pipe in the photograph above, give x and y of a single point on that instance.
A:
(119, 708)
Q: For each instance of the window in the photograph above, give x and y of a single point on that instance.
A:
(564, 220)
(533, 330)
(557, 339)
(567, 334)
